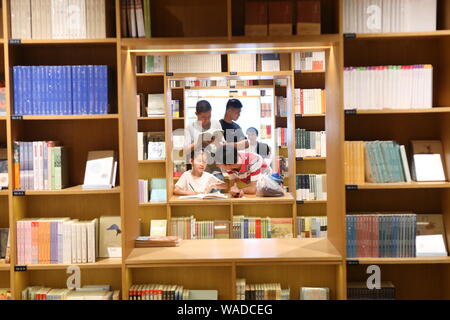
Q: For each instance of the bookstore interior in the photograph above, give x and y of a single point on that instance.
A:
(224, 149)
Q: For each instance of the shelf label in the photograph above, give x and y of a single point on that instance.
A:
(299, 158)
(297, 71)
(15, 41)
(353, 262)
(19, 193)
(232, 87)
(298, 115)
(352, 111)
(233, 73)
(20, 268)
(263, 93)
(350, 35)
(16, 117)
(351, 187)
(4, 188)
(187, 87)
(300, 202)
(169, 74)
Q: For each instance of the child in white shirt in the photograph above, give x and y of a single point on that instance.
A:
(197, 181)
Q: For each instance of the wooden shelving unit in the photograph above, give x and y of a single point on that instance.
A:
(215, 264)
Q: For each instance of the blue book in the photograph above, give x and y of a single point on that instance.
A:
(17, 79)
(28, 90)
(91, 90)
(84, 92)
(53, 242)
(246, 228)
(104, 103)
(50, 90)
(35, 89)
(68, 74)
(75, 89)
(96, 90)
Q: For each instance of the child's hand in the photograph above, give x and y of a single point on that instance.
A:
(235, 192)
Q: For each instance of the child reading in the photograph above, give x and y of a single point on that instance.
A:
(197, 181)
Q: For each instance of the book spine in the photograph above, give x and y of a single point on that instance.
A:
(57, 168)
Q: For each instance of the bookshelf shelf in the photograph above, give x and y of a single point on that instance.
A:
(239, 251)
(69, 41)
(153, 204)
(151, 118)
(405, 185)
(4, 266)
(76, 190)
(4, 192)
(416, 260)
(150, 74)
(151, 161)
(73, 117)
(298, 116)
(311, 159)
(287, 199)
(404, 111)
(239, 75)
(311, 202)
(402, 35)
(107, 263)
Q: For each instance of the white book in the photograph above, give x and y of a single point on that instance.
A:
(74, 241)
(101, 22)
(57, 12)
(90, 234)
(431, 246)
(139, 19)
(132, 19)
(35, 165)
(26, 16)
(81, 245)
(140, 145)
(36, 19)
(419, 15)
(67, 242)
(405, 164)
(158, 228)
(40, 150)
(46, 19)
(99, 169)
(76, 23)
(429, 167)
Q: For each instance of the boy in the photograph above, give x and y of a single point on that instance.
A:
(245, 166)
(197, 181)
(233, 132)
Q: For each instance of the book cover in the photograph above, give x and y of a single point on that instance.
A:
(110, 237)
(281, 228)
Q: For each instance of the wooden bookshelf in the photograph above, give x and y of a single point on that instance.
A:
(214, 264)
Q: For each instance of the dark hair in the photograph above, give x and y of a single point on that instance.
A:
(234, 103)
(196, 152)
(227, 154)
(253, 129)
(203, 106)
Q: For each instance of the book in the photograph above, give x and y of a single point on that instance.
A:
(431, 246)
(260, 291)
(221, 229)
(155, 105)
(256, 18)
(427, 161)
(4, 235)
(310, 61)
(310, 293)
(270, 62)
(280, 18)
(281, 227)
(158, 228)
(311, 187)
(308, 17)
(430, 224)
(312, 227)
(360, 291)
(149, 242)
(206, 196)
(100, 170)
(110, 237)
(203, 295)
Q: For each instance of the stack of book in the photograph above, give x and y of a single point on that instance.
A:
(40, 165)
(311, 187)
(136, 18)
(199, 63)
(312, 227)
(5, 294)
(275, 18)
(281, 106)
(242, 62)
(90, 292)
(388, 87)
(169, 292)
(314, 293)
(261, 228)
(389, 16)
(264, 291)
(360, 291)
(310, 143)
(151, 146)
(381, 235)
(270, 62)
(4, 244)
(56, 241)
(60, 90)
(54, 19)
(309, 101)
(309, 61)
(150, 64)
(152, 190)
(155, 105)
(375, 162)
(281, 137)
(152, 241)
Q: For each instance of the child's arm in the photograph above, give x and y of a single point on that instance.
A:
(180, 192)
(251, 189)
(234, 190)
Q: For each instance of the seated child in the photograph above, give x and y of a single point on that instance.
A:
(245, 166)
(197, 181)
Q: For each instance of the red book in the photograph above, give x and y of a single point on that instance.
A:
(302, 110)
(258, 228)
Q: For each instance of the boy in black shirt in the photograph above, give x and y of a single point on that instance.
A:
(232, 131)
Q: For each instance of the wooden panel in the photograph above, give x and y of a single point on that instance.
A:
(311, 167)
(414, 200)
(245, 250)
(196, 18)
(310, 123)
(195, 278)
(4, 212)
(151, 125)
(79, 137)
(4, 279)
(311, 210)
(254, 210)
(292, 277)
(410, 281)
(443, 15)
(152, 170)
(306, 80)
(150, 85)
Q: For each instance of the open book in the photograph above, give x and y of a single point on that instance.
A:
(208, 135)
(205, 196)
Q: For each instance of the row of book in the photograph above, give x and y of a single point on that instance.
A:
(190, 228)
(88, 292)
(40, 165)
(266, 110)
(169, 292)
(251, 62)
(381, 235)
(310, 143)
(263, 291)
(265, 131)
(150, 64)
(60, 90)
(281, 137)
(5, 244)
(360, 291)
(387, 162)
(311, 187)
(388, 87)
(198, 63)
(150, 105)
(5, 294)
(152, 190)
(176, 109)
(312, 227)
(281, 106)
(151, 146)
(136, 18)
(309, 101)
(309, 61)
(55, 19)
(281, 166)
(261, 228)
(66, 241)
(376, 16)
(276, 18)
